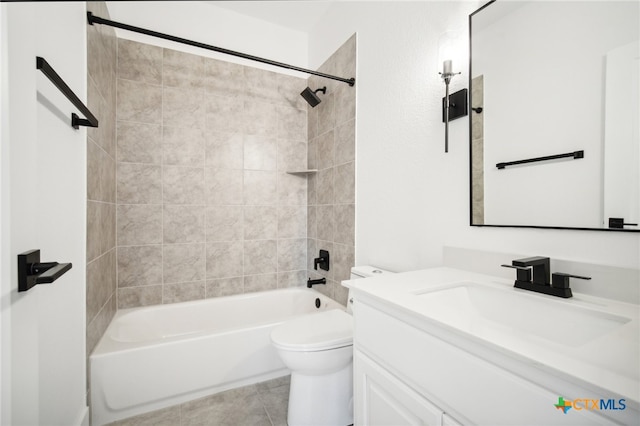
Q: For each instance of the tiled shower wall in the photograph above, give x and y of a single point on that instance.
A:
(101, 178)
(331, 192)
(205, 207)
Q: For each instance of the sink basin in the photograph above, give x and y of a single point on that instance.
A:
(483, 310)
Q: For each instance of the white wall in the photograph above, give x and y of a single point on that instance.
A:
(43, 166)
(412, 198)
(206, 23)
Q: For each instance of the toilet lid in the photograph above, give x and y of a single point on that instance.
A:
(315, 332)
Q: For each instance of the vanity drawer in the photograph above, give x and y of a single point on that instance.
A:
(470, 388)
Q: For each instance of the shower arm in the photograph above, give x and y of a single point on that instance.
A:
(92, 19)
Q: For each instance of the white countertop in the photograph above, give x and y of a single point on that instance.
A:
(609, 362)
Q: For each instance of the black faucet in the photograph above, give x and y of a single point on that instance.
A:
(540, 283)
(311, 282)
(322, 261)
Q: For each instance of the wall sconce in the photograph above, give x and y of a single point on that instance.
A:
(454, 106)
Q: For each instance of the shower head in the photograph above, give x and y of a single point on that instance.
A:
(311, 97)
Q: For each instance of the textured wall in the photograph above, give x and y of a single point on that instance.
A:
(101, 178)
(205, 207)
(331, 211)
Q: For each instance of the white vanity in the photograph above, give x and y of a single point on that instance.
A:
(445, 346)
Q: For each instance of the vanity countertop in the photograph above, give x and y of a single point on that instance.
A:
(605, 359)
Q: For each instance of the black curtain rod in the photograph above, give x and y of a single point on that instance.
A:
(97, 20)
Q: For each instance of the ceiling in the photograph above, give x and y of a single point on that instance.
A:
(296, 15)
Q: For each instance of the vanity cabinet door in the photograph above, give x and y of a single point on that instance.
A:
(383, 400)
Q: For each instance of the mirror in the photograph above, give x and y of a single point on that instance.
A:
(555, 114)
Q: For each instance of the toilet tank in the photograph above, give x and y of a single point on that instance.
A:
(365, 271)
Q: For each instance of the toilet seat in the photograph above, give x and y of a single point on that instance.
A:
(319, 331)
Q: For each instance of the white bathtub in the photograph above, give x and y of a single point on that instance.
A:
(154, 357)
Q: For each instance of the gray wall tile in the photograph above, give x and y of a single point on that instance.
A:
(292, 254)
(292, 279)
(101, 282)
(183, 107)
(183, 146)
(260, 152)
(139, 265)
(326, 151)
(224, 223)
(223, 186)
(224, 113)
(325, 222)
(292, 155)
(101, 174)
(183, 292)
(182, 69)
(224, 150)
(324, 186)
(139, 224)
(101, 228)
(292, 221)
(292, 123)
(224, 259)
(345, 139)
(260, 222)
(345, 224)
(225, 287)
(99, 323)
(259, 187)
(224, 78)
(183, 224)
(140, 102)
(260, 257)
(139, 62)
(132, 297)
(183, 262)
(183, 185)
(139, 142)
(292, 189)
(139, 183)
(344, 183)
(326, 113)
(260, 118)
(345, 104)
(261, 282)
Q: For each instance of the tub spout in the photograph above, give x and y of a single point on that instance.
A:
(311, 282)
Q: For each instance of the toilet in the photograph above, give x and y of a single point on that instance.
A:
(318, 349)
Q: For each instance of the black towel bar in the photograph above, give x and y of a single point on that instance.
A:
(575, 155)
(76, 122)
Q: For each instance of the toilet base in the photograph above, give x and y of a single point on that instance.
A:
(321, 400)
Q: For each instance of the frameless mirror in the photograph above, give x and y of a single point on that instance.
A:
(555, 114)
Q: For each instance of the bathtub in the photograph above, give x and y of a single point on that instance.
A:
(157, 356)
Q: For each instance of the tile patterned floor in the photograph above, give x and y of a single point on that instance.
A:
(262, 404)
